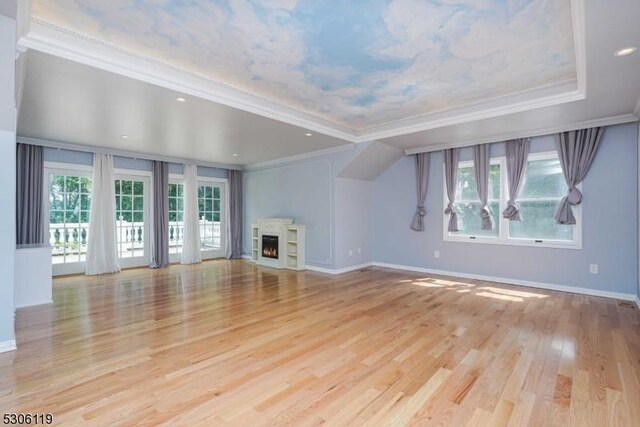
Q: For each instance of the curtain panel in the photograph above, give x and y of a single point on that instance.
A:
(235, 214)
(451, 159)
(191, 253)
(422, 182)
(481, 169)
(160, 232)
(517, 152)
(29, 197)
(102, 250)
(576, 150)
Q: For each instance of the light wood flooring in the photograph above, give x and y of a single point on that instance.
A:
(228, 343)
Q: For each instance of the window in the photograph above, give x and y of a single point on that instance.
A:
(468, 203)
(131, 232)
(68, 198)
(543, 188)
(176, 213)
(210, 214)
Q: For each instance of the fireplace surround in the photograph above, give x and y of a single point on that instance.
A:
(278, 243)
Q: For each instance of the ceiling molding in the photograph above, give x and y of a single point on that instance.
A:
(608, 121)
(55, 40)
(298, 157)
(23, 18)
(121, 153)
(389, 131)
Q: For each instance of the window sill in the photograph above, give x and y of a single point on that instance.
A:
(550, 244)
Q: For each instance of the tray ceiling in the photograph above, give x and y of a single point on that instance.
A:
(355, 66)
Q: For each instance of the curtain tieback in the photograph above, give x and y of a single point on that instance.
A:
(450, 209)
(421, 210)
(574, 196)
(485, 213)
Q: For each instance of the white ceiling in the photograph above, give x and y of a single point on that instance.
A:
(74, 103)
(75, 100)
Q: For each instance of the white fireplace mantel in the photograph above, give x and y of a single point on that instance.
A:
(291, 243)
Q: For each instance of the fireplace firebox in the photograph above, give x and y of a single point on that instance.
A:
(270, 246)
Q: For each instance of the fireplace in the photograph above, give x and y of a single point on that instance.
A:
(270, 246)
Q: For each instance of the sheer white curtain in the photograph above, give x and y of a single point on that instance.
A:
(191, 232)
(102, 250)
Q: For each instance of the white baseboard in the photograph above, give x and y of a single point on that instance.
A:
(516, 282)
(638, 303)
(7, 346)
(248, 257)
(339, 270)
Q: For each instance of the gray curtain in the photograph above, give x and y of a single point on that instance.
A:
(235, 214)
(451, 159)
(160, 249)
(517, 155)
(422, 182)
(576, 150)
(29, 205)
(481, 168)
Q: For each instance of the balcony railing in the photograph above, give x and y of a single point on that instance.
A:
(69, 241)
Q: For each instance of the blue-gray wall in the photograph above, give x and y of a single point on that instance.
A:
(304, 190)
(122, 162)
(609, 212)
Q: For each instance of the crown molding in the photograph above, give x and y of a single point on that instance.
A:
(122, 153)
(298, 157)
(419, 124)
(58, 41)
(607, 121)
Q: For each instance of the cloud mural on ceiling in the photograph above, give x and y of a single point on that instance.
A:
(355, 63)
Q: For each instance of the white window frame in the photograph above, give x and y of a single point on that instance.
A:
(503, 236)
(224, 215)
(56, 168)
(145, 177)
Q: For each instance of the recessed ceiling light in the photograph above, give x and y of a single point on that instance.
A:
(626, 51)
(181, 99)
(308, 134)
(125, 136)
(235, 154)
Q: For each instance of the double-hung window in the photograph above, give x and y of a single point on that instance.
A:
(467, 202)
(543, 188)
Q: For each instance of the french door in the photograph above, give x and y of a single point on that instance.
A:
(132, 219)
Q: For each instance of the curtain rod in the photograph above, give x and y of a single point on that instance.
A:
(121, 153)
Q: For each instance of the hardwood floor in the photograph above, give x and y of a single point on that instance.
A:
(227, 343)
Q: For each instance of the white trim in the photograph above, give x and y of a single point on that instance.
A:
(419, 124)
(120, 153)
(637, 300)
(515, 282)
(338, 270)
(68, 167)
(606, 121)
(299, 157)
(52, 39)
(8, 346)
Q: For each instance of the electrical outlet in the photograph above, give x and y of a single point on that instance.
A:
(350, 252)
(436, 254)
(593, 268)
(359, 250)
